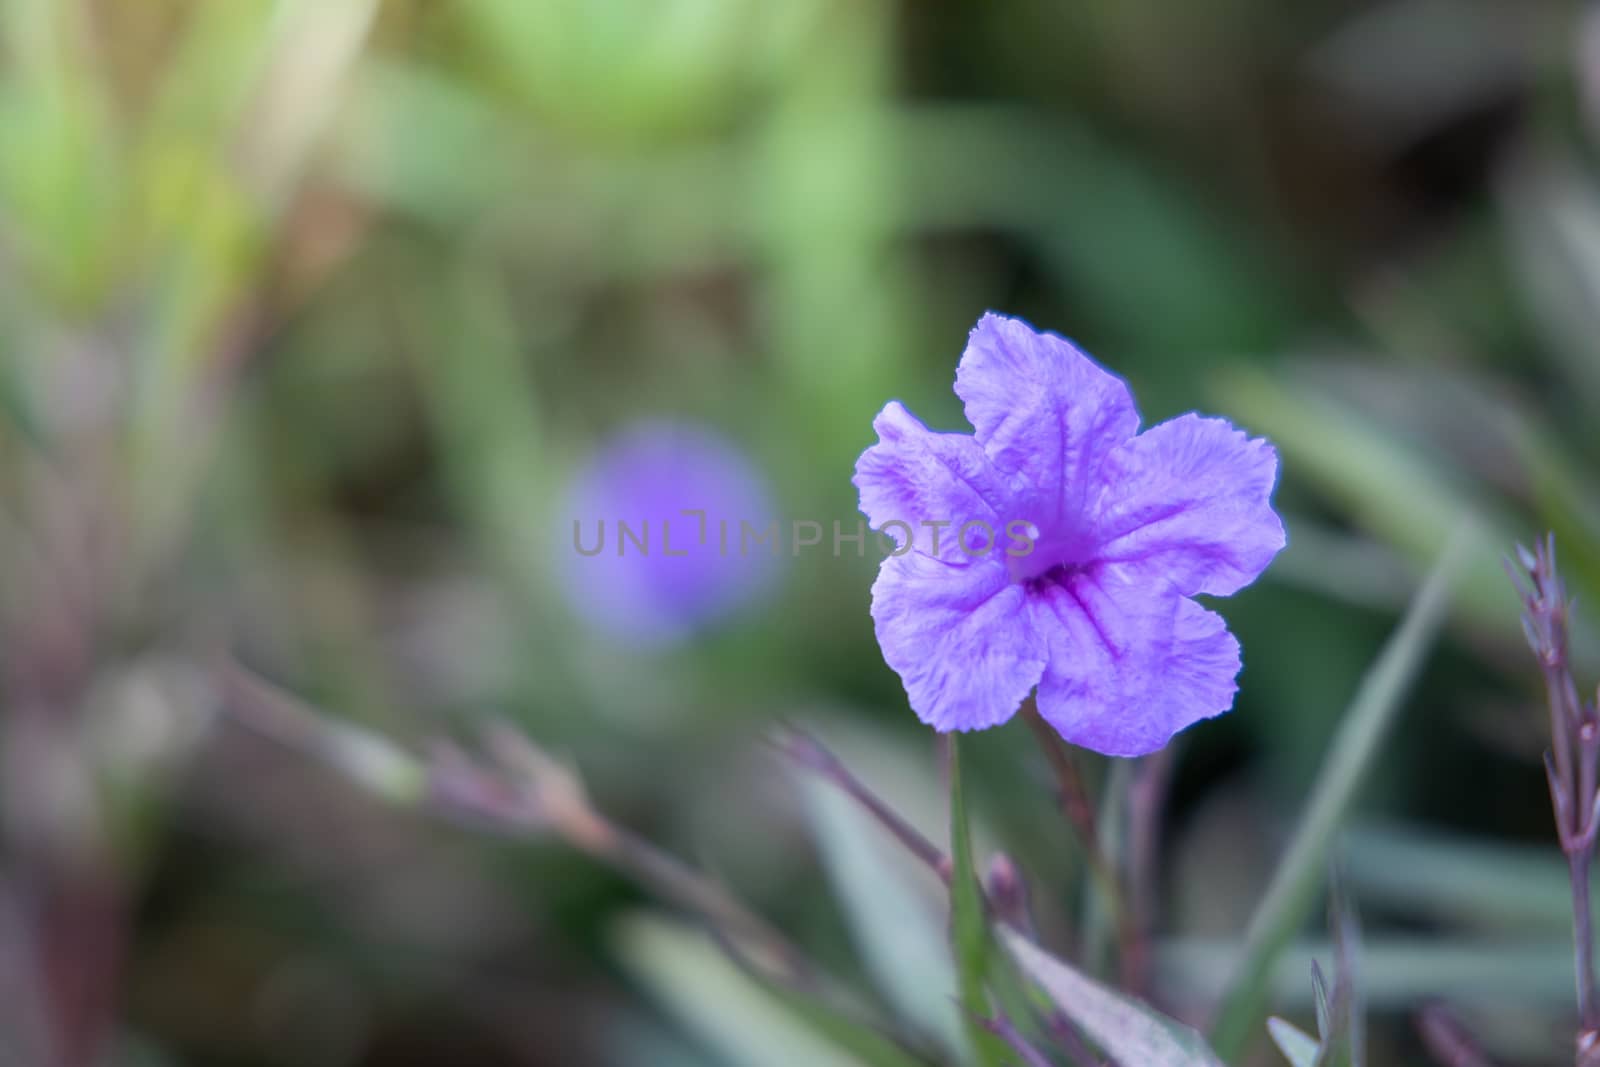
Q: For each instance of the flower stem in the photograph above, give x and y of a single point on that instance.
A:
(1079, 810)
(1572, 764)
(1146, 801)
(1583, 937)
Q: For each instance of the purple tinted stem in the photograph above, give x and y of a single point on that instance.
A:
(810, 753)
(1571, 764)
(1583, 936)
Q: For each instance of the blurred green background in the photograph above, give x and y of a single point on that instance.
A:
(309, 309)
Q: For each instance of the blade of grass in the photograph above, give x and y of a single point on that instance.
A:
(716, 1001)
(1297, 1046)
(1344, 1037)
(1131, 1033)
(969, 924)
(1457, 880)
(897, 933)
(1026, 1053)
(1387, 485)
(872, 1040)
(1520, 974)
(1293, 889)
(1104, 920)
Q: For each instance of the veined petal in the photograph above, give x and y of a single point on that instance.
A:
(916, 476)
(1129, 665)
(1044, 411)
(1190, 500)
(959, 637)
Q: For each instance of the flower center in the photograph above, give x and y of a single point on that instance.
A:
(1057, 575)
(1054, 557)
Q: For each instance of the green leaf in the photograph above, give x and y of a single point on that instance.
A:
(1531, 974)
(1099, 909)
(867, 1039)
(1457, 880)
(1386, 484)
(894, 928)
(313, 48)
(1127, 1030)
(1292, 892)
(1297, 1046)
(1323, 1002)
(1553, 221)
(969, 924)
(716, 1001)
(1341, 1017)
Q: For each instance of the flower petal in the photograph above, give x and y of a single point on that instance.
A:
(1044, 411)
(1129, 666)
(959, 637)
(916, 476)
(1190, 500)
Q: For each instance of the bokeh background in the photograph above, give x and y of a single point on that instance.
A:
(312, 310)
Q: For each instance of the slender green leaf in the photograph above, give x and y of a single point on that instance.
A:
(1553, 221)
(1099, 909)
(969, 924)
(1322, 999)
(867, 1039)
(1293, 889)
(1450, 878)
(1344, 1029)
(1511, 972)
(1127, 1030)
(720, 1004)
(315, 46)
(1297, 1046)
(893, 927)
(1384, 482)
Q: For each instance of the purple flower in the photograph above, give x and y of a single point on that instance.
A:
(1100, 537)
(650, 546)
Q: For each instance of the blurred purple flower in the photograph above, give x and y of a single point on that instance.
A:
(1124, 528)
(638, 560)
